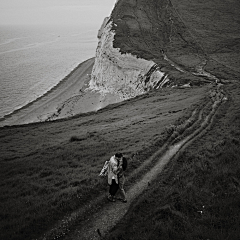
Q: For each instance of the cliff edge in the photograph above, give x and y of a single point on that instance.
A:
(147, 45)
(122, 73)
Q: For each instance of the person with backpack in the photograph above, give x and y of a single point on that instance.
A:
(112, 172)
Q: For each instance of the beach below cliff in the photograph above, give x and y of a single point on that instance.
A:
(68, 98)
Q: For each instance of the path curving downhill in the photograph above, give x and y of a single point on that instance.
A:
(98, 224)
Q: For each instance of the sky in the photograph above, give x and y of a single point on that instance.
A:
(54, 12)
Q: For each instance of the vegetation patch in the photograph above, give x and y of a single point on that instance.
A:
(50, 170)
(197, 195)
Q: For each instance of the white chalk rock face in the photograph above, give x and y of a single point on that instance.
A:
(121, 74)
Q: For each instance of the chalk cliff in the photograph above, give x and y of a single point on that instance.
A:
(123, 74)
(138, 51)
(147, 45)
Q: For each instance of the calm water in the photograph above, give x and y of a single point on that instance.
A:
(34, 59)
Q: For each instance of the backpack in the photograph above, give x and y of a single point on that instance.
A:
(104, 169)
(125, 163)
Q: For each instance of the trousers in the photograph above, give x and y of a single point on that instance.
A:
(113, 188)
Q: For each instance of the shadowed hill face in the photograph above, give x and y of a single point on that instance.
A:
(147, 28)
(216, 26)
(192, 34)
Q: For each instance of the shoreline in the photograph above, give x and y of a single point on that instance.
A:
(30, 112)
(45, 94)
(68, 98)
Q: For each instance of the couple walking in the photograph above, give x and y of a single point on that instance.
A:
(115, 172)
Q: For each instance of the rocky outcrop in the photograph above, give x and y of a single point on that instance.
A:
(123, 74)
(152, 44)
(138, 51)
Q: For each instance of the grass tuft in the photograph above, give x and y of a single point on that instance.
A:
(76, 139)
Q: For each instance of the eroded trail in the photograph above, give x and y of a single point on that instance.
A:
(97, 225)
(102, 221)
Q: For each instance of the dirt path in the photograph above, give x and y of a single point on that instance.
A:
(96, 225)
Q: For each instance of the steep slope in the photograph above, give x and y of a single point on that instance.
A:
(148, 44)
(124, 74)
(187, 32)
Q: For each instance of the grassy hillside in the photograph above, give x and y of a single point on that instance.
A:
(197, 195)
(50, 170)
(192, 34)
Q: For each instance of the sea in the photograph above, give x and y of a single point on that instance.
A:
(34, 59)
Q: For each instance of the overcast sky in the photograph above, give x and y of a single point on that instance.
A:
(52, 12)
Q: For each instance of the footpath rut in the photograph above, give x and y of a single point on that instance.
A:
(98, 224)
